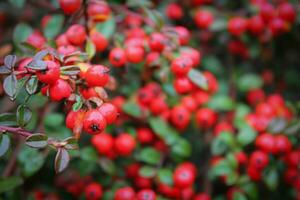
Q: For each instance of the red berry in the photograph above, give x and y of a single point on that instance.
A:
(265, 142)
(202, 196)
(256, 25)
(124, 144)
(135, 54)
(223, 126)
(36, 39)
(282, 144)
(174, 11)
(62, 40)
(189, 103)
(158, 106)
(60, 90)
(206, 117)
(254, 173)
(183, 85)
(241, 158)
(237, 26)
(183, 35)
(103, 142)
(51, 74)
(98, 11)
(99, 41)
(93, 191)
(203, 19)
(132, 170)
(255, 96)
(180, 117)
(211, 81)
(157, 42)
(181, 66)
(142, 182)
(125, 193)
(183, 177)
(259, 160)
(145, 135)
(146, 194)
(76, 34)
(74, 117)
(267, 12)
(97, 75)
(117, 57)
(66, 50)
(145, 96)
(287, 12)
(94, 122)
(277, 26)
(109, 112)
(70, 6)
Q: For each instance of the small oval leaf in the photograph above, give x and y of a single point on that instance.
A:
(62, 160)
(4, 144)
(10, 85)
(37, 140)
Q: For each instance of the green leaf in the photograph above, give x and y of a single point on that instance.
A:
(239, 196)
(250, 189)
(7, 184)
(37, 140)
(248, 82)
(165, 175)
(21, 33)
(17, 3)
(4, 145)
(147, 171)
(90, 49)
(198, 79)
(221, 103)
(54, 120)
(132, 109)
(31, 160)
(72, 143)
(107, 165)
(107, 28)
(222, 143)
(213, 64)
(8, 119)
(182, 148)
(24, 115)
(222, 168)
(54, 26)
(271, 178)
(31, 85)
(10, 85)
(37, 65)
(89, 154)
(246, 135)
(10, 61)
(219, 25)
(62, 160)
(150, 155)
(155, 17)
(4, 70)
(78, 104)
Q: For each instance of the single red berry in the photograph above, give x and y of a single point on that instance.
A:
(59, 90)
(94, 122)
(290, 175)
(183, 35)
(241, 158)
(142, 182)
(237, 26)
(157, 42)
(145, 96)
(256, 25)
(109, 112)
(145, 135)
(135, 54)
(187, 193)
(49, 75)
(70, 6)
(255, 96)
(180, 117)
(183, 85)
(62, 40)
(223, 126)
(189, 103)
(132, 170)
(293, 158)
(206, 118)
(36, 39)
(183, 177)
(193, 54)
(259, 160)
(287, 12)
(282, 144)
(93, 191)
(97, 75)
(103, 142)
(124, 144)
(174, 11)
(146, 194)
(98, 11)
(203, 19)
(181, 66)
(125, 193)
(267, 12)
(66, 50)
(265, 142)
(201, 97)
(158, 106)
(254, 173)
(74, 117)
(76, 34)
(99, 41)
(277, 26)
(117, 57)
(202, 196)
(211, 81)
(265, 109)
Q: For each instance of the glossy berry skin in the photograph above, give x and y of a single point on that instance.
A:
(183, 35)
(213, 85)
(145, 135)
(98, 11)
(237, 26)
(135, 54)
(254, 173)
(277, 26)
(183, 85)
(202, 196)
(158, 106)
(255, 96)
(174, 11)
(180, 117)
(256, 25)
(117, 57)
(183, 177)
(287, 12)
(59, 90)
(259, 160)
(97, 75)
(203, 19)
(51, 74)
(189, 103)
(265, 142)
(124, 144)
(206, 118)
(282, 144)
(70, 6)
(125, 193)
(36, 39)
(156, 42)
(103, 142)
(146, 194)
(94, 122)
(109, 112)
(267, 12)
(93, 191)
(99, 41)
(74, 117)
(76, 34)
(181, 66)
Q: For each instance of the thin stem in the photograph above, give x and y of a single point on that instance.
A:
(17, 131)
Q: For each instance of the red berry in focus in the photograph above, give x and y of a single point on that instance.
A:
(60, 90)
(97, 75)
(259, 160)
(183, 177)
(51, 74)
(109, 112)
(117, 57)
(76, 34)
(93, 191)
(94, 122)
(206, 117)
(135, 54)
